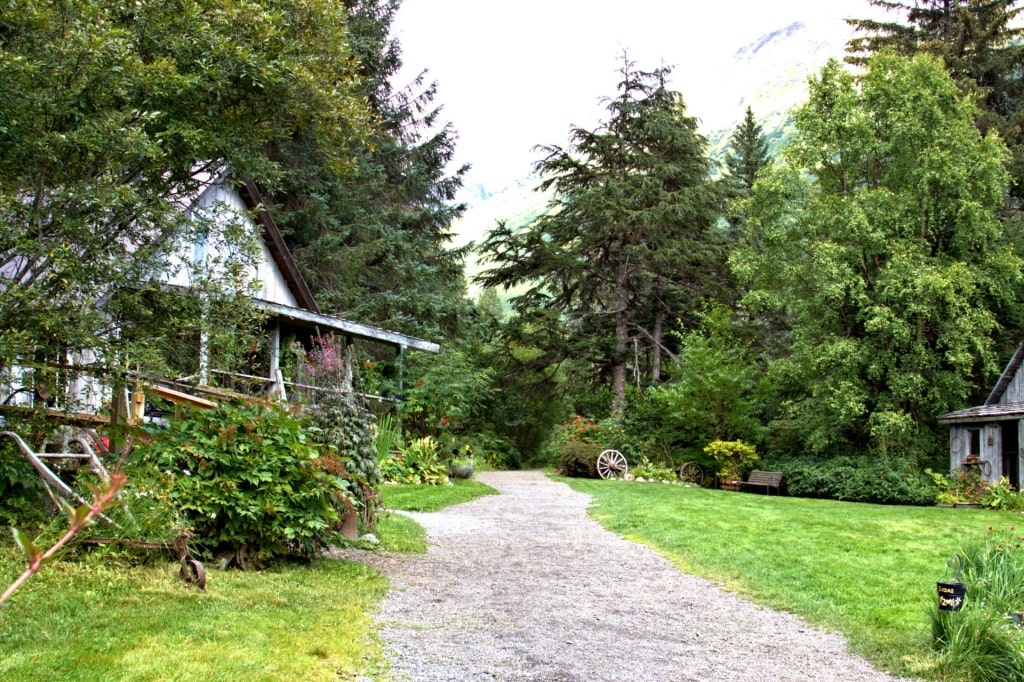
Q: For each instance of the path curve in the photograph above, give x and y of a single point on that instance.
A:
(525, 586)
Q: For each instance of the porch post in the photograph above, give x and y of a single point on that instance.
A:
(276, 389)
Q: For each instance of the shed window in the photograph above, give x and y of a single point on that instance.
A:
(975, 442)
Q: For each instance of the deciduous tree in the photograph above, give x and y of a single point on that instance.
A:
(113, 115)
(979, 41)
(879, 240)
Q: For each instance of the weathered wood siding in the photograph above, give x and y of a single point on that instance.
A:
(1014, 392)
(227, 206)
(990, 452)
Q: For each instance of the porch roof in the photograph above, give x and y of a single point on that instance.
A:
(312, 319)
(985, 413)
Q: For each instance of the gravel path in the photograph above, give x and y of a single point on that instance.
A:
(524, 586)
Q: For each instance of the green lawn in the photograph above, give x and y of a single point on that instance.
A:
(90, 621)
(430, 498)
(868, 571)
(98, 619)
(865, 570)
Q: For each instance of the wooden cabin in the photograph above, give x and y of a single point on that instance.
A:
(282, 292)
(990, 436)
(279, 290)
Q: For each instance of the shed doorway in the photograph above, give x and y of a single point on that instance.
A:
(1010, 450)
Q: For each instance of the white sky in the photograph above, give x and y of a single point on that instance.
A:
(514, 74)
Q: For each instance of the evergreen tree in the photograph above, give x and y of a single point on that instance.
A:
(628, 240)
(748, 154)
(373, 238)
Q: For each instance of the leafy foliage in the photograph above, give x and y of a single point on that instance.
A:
(419, 462)
(879, 242)
(578, 459)
(732, 458)
(979, 43)
(250, 477)
(116, 115)
(977, 642)
(715, 392)
(452, 387)
(877, 479)
(347, 427)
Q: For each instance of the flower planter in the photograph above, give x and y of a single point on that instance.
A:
(729, 485)
(460, 470)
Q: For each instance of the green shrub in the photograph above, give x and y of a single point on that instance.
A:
(881, 480)
(22, 496)
(347, 427)
(579, 459)
(419, 462)
(978, 642)
(249, 479)
(1002, 495)
(732, 458)
(653, 471)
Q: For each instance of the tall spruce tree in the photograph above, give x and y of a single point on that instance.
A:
(748, 154)
(628, 241)
(373, 241)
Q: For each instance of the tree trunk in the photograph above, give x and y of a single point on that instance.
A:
(658, 333)
(621, 341)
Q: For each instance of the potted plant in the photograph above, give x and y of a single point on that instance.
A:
(731, 458)
(462, 465)
(963, 487)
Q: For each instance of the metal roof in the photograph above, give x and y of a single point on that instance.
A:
(1006, 377)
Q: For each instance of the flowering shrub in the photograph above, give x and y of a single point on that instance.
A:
(575, 446)
(249, 479)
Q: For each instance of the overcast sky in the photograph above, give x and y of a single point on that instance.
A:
(514, 74)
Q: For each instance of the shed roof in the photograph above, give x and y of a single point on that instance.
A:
(985, 413)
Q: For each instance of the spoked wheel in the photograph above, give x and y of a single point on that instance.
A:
(690, 472)
(611, 464)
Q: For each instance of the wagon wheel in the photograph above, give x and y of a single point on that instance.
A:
(192, 571)
(611, 463)
(690, 472)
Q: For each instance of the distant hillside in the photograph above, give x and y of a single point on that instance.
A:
(769, 75)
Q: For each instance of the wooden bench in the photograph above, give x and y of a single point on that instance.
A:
(764, 479)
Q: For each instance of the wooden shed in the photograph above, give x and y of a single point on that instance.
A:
(989, 436)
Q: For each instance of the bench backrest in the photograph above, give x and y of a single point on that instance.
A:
(772, 478)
